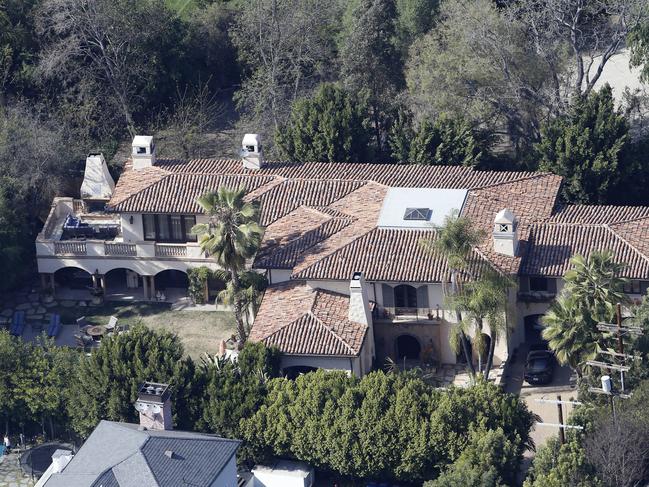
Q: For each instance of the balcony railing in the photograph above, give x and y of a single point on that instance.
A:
(536, 296)
(120, 249)
(70, 248)
(399, 314)
(170, 250)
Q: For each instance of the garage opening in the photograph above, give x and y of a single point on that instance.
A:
(408, 347)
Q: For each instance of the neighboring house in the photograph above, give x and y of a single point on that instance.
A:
(350, 282)
(146, 455)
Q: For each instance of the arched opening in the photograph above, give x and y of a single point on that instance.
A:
(408, 347)
(171, 285)
(295, 371)
(123, 284)
(73, 283)
(405, 296)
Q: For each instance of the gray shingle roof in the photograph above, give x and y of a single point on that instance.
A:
(121, 455)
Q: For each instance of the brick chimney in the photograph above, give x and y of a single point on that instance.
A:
(154, 405)
(359, 305)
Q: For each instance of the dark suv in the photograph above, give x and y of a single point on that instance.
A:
(539, 367)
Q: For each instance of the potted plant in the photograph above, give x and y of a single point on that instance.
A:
(48, 295)
(97, 294)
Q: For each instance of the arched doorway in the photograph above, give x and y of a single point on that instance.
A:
(123, 284)
(73, 283)
(171, 285)
(295, 371)
(408, 347)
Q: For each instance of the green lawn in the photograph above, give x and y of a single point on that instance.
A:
(200, 331)
(181, 7)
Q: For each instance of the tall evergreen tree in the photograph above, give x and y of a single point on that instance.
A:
(328, 127)
(371, 62)
(586, 148)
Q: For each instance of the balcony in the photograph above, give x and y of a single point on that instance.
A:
(536, 296)
(99, 248)
(407, 315)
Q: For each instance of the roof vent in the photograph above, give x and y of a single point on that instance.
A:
(417, 214)
(169, 454)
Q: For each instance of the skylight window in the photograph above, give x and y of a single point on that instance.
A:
(417, 214)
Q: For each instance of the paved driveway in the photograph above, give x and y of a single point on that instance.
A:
(563, 383)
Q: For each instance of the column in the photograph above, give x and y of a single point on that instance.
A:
(152, 287)
(43, 281)
(145, 284)
(52, 284)
(102, 283)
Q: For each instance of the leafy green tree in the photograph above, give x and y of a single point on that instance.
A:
(326, 127)
(446, 141)
(414, 18)
(384, 426)
(231, 235)
(13, 358)
(586, 147)
(557, 465)
(107, 382)
(370, 61)
(456, 240)
(489, 460)
(235, 390)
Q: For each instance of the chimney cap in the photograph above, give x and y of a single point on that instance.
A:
(153, 392)
(142, 140)
(357, 276)
(505, 216)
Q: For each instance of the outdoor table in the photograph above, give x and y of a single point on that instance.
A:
(96, 332)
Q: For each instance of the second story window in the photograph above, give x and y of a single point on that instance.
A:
(168, 228)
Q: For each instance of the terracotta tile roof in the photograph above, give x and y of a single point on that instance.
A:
(302, 321)
(364, 206)
(635, 232)
(414, 176)
(132, 182)
(177, 193)
(295, 237)
(283, 198)
(531, 199)
(552, 244)
(599, 214)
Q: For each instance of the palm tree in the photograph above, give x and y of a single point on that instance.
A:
(232, 235)
(571, 333)
(485, 299)
(595, 284)
(593, 287)
(455, 240)
(251, 287)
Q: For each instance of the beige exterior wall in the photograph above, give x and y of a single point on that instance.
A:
(132, 232)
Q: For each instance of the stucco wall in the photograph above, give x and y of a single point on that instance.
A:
(351, 365)
(132, 232)
(144, 267)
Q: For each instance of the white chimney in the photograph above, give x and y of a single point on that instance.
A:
(505, 233)
(359, 304)
(97, 182)
(143, 153)
(154, 405)
(251, 152)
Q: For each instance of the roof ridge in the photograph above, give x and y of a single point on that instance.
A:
(339, 249)
(630, 219)
(516, 180)
(626, 242)
(331, 332)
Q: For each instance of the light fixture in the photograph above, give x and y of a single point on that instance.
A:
(130, 219)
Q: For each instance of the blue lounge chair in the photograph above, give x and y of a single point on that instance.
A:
(18, 323)
(55, 326)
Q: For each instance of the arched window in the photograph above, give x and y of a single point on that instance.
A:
(405, 296)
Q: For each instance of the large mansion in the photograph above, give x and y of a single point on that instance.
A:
(350, 283)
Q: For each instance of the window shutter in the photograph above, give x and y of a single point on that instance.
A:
(422, 296)
(388, 295)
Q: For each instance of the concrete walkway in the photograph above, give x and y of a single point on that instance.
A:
(10, 473)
